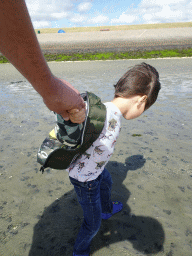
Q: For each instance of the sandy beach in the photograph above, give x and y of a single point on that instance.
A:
(152, 174)
(116, 41)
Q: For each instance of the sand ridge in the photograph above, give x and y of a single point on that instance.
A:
(116, 41)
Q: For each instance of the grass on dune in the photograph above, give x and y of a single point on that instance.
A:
(115, 56)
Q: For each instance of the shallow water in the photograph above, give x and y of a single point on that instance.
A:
(152, 173)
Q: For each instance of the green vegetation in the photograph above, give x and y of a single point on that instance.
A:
(3, 59)
(115, 56)
(136, 135)
(114, 28)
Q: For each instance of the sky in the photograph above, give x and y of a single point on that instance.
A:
(85, 13)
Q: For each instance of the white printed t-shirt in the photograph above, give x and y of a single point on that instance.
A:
(91, 164)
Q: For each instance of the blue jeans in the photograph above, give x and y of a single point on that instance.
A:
(95, 198)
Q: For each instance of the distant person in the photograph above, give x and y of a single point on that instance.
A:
(19, 44)
(135, 92)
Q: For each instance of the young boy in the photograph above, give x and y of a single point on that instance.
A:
(135, 92)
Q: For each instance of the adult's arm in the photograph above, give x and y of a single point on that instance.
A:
(19, 44)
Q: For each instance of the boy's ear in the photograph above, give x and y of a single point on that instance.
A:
(143, 99)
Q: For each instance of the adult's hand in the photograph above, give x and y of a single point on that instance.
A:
(61, 97)
(77, 116)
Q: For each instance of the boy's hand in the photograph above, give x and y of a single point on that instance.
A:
(77, 116)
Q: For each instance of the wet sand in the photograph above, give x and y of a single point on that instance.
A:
(152, 173)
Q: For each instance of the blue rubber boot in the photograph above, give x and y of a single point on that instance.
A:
(117, 207)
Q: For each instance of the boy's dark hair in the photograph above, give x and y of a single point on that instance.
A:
(142, 79)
